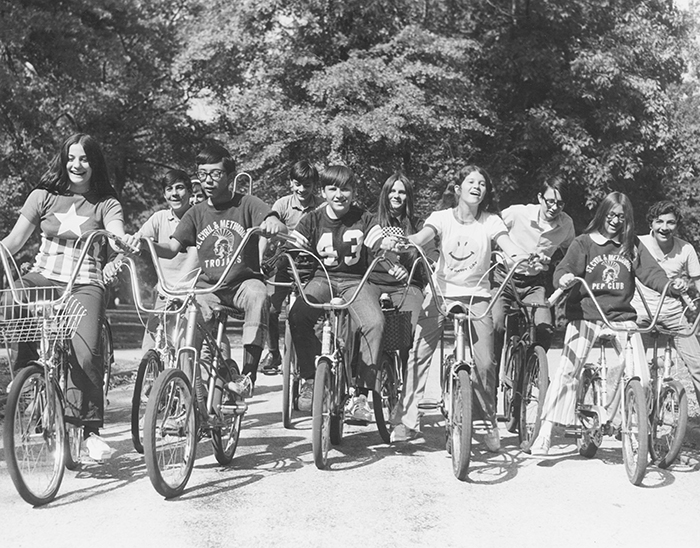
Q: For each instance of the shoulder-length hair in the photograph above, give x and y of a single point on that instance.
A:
(407, 219)
(604, 208)
(55, 179)
(449, 197)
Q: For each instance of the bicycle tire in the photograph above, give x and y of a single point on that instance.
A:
(386, 400)
(321, 414)
(224, 439)
(290, 381)
(534, 384)
(170, 433)
(635, 433)
(35, 455)
(107, 356)
(74, 439)
(669, 422)
(150, 367)
(461, 423)
(589, 396)
(511, 369)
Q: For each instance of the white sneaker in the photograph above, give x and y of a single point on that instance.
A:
(306, 395)
(241, 385)
(492, 439)
(359, 409)
(401, 433)
(98, 449)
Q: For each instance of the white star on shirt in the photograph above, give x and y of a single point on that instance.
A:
(70, 222)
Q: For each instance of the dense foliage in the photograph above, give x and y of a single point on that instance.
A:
(602, 92)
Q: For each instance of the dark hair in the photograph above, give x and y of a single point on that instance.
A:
(55, 179)
(304, 172)
(213, 154)
(384, 217)
(556, 183)
(662, 208)
(337, 176)
(173, 176)
(449, 197)
(604, 208)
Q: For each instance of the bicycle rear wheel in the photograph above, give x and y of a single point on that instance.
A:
(589, 398)
(224, 438)
(508, 385)
(74, 438)
(322, 407)
(170, 433)
(635, 432)
(34, 436)
(461, 423)
(149, 369)
(535, 380)
(290, 380)
(669, 421)
(385, 401)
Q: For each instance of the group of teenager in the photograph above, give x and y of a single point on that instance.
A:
(195, 239)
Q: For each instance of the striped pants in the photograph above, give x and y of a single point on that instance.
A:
(560, 402)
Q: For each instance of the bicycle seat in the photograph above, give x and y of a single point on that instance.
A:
(228, 311)
(456, 307)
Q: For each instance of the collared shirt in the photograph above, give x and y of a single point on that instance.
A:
(535, 235)
(291, 210)
(682, 260)
(181, 270)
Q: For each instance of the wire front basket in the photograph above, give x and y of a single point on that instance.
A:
(41, 315)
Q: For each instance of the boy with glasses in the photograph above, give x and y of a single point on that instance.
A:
(216, 227)
(544, 229)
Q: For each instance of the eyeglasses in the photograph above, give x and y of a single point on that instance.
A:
(552, 203)
(215, 175)
(619, 216)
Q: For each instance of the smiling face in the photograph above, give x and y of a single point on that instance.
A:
(177, 196)
(472, 191)
(663, 228)
(338, 199)
(303, 190)
(397, 199)
(79, 170)
(614, 222)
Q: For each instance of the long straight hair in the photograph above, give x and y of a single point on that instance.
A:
(407, 218)
(627, 234)
(55, 179)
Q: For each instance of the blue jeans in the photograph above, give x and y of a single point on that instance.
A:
(365, 313)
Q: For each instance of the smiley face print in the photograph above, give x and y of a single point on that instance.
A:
(462, 257)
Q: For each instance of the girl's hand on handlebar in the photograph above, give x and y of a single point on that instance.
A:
(110, 271)
(567, 280)
(399, 272)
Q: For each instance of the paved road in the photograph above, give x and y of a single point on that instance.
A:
(373, 494)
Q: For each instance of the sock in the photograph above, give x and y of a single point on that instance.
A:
(251, 358)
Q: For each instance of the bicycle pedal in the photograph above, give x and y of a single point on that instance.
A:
(238, 408)
(573, 432)
(356, 422)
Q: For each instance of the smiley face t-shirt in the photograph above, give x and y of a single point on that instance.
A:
(465, 252)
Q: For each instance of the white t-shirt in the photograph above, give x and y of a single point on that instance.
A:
(465, 252)
(681, 261)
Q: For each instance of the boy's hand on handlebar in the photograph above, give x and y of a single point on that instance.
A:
(538, 261)
(680, 284)
(130, 244)
(271, 226)
(397, 244)
(399, 272)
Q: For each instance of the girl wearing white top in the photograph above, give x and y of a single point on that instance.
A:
(465, 233)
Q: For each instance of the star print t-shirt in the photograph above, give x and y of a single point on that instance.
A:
(217, 231)
(63, 219)
(465, 252)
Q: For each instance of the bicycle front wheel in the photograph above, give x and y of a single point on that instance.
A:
(107, 354)
(224, 438)
(74, 438)
(385, 401)
(589, 398)
(321, 410)
(668, 425)
(34, 436)
(149, 369)
(170, 433)
(290, 380)
(461, 423)
(635, 432)
(535, 381)
(510, 400)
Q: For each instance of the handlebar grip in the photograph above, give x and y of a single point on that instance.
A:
(689, 302)
(554, 297)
